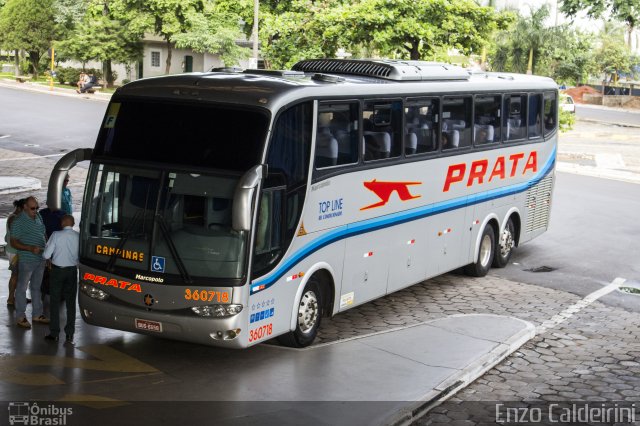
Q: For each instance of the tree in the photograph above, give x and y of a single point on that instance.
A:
(296, 30)
(102, 36)
(627, 11)
(418, 29)
(28, 25)
(216, 31)
(524, 44)
(166, 18)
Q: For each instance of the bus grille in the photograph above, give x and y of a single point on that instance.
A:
(539, 204)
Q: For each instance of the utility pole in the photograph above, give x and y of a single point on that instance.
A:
(256, 7)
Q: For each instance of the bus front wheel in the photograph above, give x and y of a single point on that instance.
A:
(506, 242)
(308, 317)
(486, 253)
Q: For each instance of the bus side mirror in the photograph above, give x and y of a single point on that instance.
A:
(243, 198)
(60, 170)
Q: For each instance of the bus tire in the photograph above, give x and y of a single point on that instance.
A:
(486, 253)
(308, 317)
(505, 245)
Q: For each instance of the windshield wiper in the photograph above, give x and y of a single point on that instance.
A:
(172, 249)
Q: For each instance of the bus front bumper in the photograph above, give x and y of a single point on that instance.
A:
(224, 332)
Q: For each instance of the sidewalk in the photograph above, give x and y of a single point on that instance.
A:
(57, 91)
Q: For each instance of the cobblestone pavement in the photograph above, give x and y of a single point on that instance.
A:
(592, 358)
(443, 296)
(14, 163)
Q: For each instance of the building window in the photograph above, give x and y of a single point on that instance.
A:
(155, 59)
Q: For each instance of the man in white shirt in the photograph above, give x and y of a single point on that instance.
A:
(62, 249)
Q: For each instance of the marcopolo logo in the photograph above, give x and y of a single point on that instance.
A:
(32, 414)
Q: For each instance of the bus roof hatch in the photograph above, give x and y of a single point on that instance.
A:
(386, 69)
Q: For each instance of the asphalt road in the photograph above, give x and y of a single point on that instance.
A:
(592, 112)
(43, 124)
(592, 239)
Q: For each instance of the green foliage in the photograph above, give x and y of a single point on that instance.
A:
(527, 39)
(215, 31)
(626, 11)
(566, 120)
(70, 75)
(418, 29)
(411, 29)
(27, 25)
(164, 17)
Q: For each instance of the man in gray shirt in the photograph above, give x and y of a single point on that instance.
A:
(62, 249)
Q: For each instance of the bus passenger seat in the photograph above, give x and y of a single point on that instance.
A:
(326, 149)
(411, 143)
(452, 137)
(483, 133)
(377, 145)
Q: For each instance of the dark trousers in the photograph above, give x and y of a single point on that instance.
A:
(63, 282)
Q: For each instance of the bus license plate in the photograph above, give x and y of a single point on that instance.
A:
(147, 325)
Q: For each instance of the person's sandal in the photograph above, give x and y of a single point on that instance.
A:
(41, 319)
(24, 323)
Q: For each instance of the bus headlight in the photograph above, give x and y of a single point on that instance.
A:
(217, 311)
(94, 293)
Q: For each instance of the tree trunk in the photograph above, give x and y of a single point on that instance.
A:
(17, 63)
(414, 50)
(167, 69)
(108, 73)
(530, 64)
(34, 58)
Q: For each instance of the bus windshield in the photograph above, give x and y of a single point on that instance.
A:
(162, 222)
(211, 136)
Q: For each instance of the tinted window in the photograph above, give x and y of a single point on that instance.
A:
(486, 128)
(337, 135)
(456, 122)
(550, 112)
(382, 129)
(421, 126)
(515, 117)
(535, 115)
(201, 135)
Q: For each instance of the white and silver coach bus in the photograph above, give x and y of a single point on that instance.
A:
(230, 207)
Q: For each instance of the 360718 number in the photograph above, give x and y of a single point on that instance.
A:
(260, 332)
(206, 295)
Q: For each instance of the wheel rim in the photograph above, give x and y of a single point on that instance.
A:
(308, 312)
(485, 251)
(506, 242)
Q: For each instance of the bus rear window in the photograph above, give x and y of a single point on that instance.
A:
(211, 136)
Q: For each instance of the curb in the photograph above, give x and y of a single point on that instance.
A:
(608, 123)
(463, 378)
(57, 91)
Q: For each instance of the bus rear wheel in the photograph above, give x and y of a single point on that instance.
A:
(486, 253)
(308, 317)
(506, 243)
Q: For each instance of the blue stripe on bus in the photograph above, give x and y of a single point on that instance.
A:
(370, 225)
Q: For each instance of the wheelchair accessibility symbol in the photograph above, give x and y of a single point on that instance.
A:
(157, 264)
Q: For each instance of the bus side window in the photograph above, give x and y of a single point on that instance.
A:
(456, 122)
(550, 112)
(382, 130)
(535, 116)
(421, 126)
(515, 117)
(336, 135)
(486, 127)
